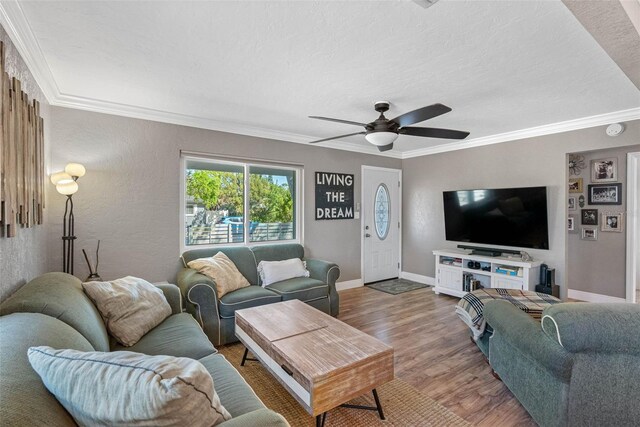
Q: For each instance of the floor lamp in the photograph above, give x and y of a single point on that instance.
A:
(66, 184)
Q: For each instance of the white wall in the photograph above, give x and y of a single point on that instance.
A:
(530, 162)
(130, 196)
(24, 256)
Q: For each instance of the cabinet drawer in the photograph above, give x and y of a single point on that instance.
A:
(506, 283)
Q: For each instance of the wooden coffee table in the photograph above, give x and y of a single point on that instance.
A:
(320, 360)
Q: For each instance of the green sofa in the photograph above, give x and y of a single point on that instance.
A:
(579, 366)
(217, 317)
(53, 310)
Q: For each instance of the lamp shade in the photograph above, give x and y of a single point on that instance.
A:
(67, 188)
(60, 178)
(75, 169)
(381, 139)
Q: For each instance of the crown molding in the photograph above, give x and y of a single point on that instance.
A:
(566, 126)
(15, 23)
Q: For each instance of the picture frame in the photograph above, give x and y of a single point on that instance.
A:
(575, 185)
(571, 203)
(589, 233)
(612, 222)
(604, 170)
(589, 216)
(571, 221)
(605, 194)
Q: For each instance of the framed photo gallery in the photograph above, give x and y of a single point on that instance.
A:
(604, 189)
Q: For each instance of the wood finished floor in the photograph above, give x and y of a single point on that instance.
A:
(433, 352)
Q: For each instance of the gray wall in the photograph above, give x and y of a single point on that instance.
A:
(24, 256)
(537, 161)
(129, 198)
(599, 266)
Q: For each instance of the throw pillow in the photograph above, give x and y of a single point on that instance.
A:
(222, 271)
(123, 388)
(130, 307)
(275, 271)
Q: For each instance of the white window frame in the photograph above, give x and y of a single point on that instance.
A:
(246, 164)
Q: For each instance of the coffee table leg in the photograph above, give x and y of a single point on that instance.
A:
(320, 419)
(378, 405)
(245, 358)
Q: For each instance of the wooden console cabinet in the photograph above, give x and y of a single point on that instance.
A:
(494, 272)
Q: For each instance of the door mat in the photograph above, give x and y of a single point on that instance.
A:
(397, 286)
(402, 404)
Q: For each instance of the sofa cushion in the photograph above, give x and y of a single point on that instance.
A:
(222, 271)
(179, 335)
(302, 288)
(24, 400)
(235, 394)
(129, 389)
(588, 327)
(130, 307)
(251, 296)
(277, 252)
(60, 295)
(241, 256)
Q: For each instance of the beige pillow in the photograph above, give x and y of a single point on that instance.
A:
(130, 307)
(123, 388)
(222, 270)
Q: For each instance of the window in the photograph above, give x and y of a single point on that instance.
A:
(382, 214)
(229, 202)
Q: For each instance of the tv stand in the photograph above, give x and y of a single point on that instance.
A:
(457, 269)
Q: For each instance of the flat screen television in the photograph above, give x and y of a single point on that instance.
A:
(501, 216)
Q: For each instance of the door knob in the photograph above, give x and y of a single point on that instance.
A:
(367, 235)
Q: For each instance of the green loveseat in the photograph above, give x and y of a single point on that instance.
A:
(579, 367)
(53, 310)
(217, 317)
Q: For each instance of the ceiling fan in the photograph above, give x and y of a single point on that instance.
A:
(382, 132)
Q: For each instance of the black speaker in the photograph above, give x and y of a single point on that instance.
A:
(543, 274)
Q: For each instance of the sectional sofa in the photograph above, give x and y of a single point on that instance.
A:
(52, 310)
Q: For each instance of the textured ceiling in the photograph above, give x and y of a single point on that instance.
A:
(503, 66)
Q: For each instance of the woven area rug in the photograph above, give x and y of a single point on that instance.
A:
(403, 405)
(397, 286)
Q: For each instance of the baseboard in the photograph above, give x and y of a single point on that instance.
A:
(349, 284)
(418, 278)
(591, 297)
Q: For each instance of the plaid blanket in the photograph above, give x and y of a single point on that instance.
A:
(470, 307)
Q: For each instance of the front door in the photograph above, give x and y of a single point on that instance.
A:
(381, 223)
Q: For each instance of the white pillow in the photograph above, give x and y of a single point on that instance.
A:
(123, 388)
(275, 271)
(130, 307)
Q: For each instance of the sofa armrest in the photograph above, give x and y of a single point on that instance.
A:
(172, 294)
(260, 417)
(201, 300)
(524, 333)
(327, 272)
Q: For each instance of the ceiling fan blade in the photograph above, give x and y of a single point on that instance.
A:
(434, 133)
(337, 137)
(385, 147)
(346, 122)
(421, 114)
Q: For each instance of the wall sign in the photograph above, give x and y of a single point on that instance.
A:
(334, 195)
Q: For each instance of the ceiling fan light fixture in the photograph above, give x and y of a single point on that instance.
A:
(381, 138)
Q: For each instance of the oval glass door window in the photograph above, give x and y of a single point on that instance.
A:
(382, 211)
